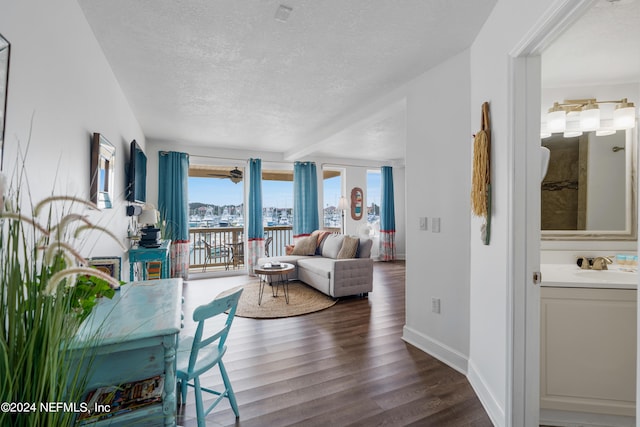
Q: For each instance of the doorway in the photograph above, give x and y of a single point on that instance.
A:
(526, 97)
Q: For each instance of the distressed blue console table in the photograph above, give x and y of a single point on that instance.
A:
(138, 337)
(144, 255)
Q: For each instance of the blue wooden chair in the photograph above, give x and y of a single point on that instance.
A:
(198, 354)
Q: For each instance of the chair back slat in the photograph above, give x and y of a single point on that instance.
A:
(204, 312)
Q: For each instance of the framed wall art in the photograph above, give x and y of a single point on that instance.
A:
(103, 155)
(109, 265)
(357, 203)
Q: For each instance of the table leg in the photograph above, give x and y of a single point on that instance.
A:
(285, 287)
(261, 291)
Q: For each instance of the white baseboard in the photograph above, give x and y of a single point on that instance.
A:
(583, 419)
(435, 348)
(462, 364)
(494, 410)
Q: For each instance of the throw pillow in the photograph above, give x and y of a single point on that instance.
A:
(349, 247)
(288, 249)
(364, 248)
(321, 235)
(305, 246)
(332, 245)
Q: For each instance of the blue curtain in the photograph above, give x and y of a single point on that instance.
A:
(387, 216)
(255, 229)
(173, 204)
(305, 198)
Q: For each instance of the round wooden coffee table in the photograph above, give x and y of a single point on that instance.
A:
(267, 276)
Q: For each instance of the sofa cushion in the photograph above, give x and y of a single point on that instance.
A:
(332, 245)
(321, 235)
(349, 247)
(306, 246)
(317, 265)
(364, 248)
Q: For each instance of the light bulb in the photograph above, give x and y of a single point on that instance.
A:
(556, 119)
(590, 117)
(624, 116)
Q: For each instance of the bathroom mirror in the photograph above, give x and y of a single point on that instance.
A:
(103, 155)
(5, 49)
(589, 190)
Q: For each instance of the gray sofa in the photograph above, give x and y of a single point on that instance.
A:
(324, 271)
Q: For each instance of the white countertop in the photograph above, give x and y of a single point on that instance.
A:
(572, 276)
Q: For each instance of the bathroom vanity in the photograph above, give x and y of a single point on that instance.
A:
(588, 342)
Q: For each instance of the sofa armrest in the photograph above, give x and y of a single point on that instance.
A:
(346, 269)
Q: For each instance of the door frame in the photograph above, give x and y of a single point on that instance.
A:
(522, 407)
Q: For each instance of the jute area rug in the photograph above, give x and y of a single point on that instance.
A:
(303, 299)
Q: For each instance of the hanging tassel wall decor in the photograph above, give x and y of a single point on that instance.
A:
(481, 175)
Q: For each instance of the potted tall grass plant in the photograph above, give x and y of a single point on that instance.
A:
(41, 308)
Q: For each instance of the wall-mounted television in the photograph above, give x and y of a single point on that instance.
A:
(137, 187)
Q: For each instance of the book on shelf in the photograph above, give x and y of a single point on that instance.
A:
(113, 400)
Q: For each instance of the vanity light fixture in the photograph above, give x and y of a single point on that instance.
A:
(590, 117)
(576, 116)
(556, 119)
(624, 116)
(572, 130)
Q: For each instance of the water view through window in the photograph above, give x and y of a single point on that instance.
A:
(373, 198)
(217, 215)
(217, 220)
(216, 202)
(332, 190)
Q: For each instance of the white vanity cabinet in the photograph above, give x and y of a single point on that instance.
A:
(588, 350)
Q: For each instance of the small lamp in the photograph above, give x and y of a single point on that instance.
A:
(343, 205)
(149, 236)
(148, 217)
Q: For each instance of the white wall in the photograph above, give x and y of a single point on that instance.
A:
(60, 78)
(438, 182)
(509, 27)
(606, 182)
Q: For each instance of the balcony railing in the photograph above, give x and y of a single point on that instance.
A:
(212, 249)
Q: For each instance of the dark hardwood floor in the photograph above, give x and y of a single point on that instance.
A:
(344, 366)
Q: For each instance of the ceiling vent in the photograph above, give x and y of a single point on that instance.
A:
(283, 12)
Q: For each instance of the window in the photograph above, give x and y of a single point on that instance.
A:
(277, 202)
(332, 191)
(215, 202)
(277, 208)
(373, 197)
(216, 217)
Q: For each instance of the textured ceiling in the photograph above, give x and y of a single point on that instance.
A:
(227, 74)
(603, 46)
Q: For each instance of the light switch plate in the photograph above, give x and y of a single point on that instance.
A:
(435, 225)
(424, 221)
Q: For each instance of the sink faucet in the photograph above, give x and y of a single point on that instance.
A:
(600, 263)
(584, 262)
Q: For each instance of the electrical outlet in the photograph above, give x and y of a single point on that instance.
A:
(435, 305)
(424, 221)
